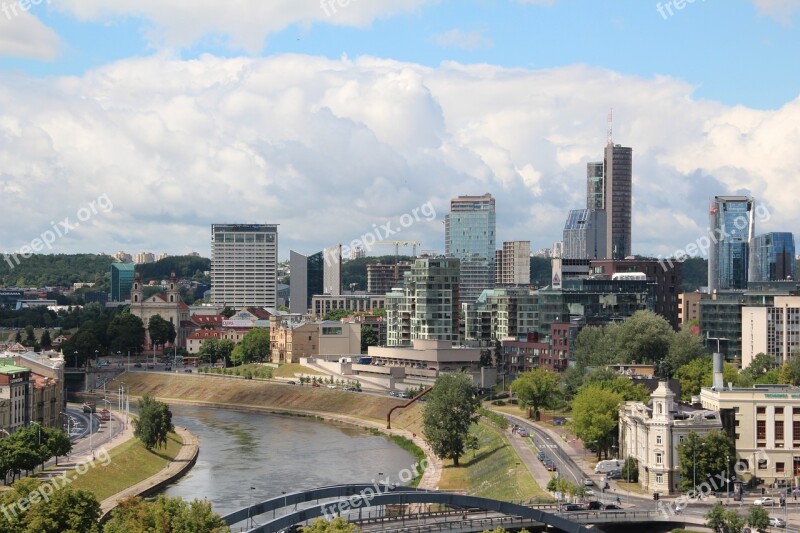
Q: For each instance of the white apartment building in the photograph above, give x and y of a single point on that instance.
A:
(244, 265)
(513, 264)
(772, 330)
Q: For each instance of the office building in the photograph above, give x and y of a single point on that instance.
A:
(383, 278)
(122, 275)
(427, 307)
(772, 330)
(595, 189)
(321, 304)
(470, 237)
(513, 264)
(332, 270)
(307, 279)
(731, 227)
(772, 257)
(689, 307)
(585, 235)
(617, 187)
(244, 264)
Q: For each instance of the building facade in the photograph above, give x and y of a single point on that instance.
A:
(244, 264)
(618, 199)
(170, 306)
(585, 234)
(122, 275)
(773, 330)
(470, 237)
(772, 257)
(307, 280)
(381, 278)
(356, 303)
(513, 264)
(731, 228)
(689, 306)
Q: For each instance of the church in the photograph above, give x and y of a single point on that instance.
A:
(169, 306)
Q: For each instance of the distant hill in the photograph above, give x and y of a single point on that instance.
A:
(55, 270)
(184, 266)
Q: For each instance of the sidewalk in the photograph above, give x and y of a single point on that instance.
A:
(183, 462)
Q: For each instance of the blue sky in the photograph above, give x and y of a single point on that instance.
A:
(191, 113)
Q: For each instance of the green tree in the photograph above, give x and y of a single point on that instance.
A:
(337, 525)
(734, 523)
(625, 387)
(46, 341)
(760, 365)
(485, 360)
(66, 510)
(336, 314)
(255, 346)
(630, 470)
(758, 518)
(537, 388)
(126, 332)
(715, 518)
(154, 423)
(30, 334)
(57, 442)
(704, 457)
(448, 414)
(368, 338)
(595, 412)
(209, 351)
(84, 343)
(643, 338)
(684, 347)
(590, 348)
(18, 337)
(165, 514)
(790, 370)
(159, 331)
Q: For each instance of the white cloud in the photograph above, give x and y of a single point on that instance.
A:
(781, 10)
(242, 24)
(327, 148)
(24, 36)
(467, 40)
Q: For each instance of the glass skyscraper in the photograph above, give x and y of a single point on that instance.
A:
(470, 237)
(731, 228)
(122, 275)
(618, 183)
(772, 257)
(585, 234)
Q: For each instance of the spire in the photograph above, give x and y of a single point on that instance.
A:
(611, 127)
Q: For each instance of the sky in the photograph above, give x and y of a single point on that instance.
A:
(136, 124)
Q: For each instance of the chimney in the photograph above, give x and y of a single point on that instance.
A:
(718, 383)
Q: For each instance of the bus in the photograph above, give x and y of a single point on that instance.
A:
(88, 407)
(105, 415)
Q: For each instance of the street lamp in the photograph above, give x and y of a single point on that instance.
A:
(76, 358)
(96, 357)
(727, 478)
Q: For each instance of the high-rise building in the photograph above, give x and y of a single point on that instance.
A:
(383, 278)
(427, 307)
(470, 237)
(731, 228)
(307, 280)
(122, 275)
(585, 235)
(617, 187)
(244, 265)
(142, 258)
(772, 257)
(513, 264)
(332, 270)
(595, 191)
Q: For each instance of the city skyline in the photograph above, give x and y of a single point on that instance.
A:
(184, 116)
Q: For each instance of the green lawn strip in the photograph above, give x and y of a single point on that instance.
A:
(494, 470)
(631, 487)
(289, 370)
(130, 463)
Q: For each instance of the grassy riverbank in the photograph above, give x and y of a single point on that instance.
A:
(129, 464)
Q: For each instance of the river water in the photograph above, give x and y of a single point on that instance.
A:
(273, 453)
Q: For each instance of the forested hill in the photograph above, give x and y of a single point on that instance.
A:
(66, 269)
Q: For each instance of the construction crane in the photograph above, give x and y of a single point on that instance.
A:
(397, 245)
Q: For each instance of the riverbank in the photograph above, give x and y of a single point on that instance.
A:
(367, 411)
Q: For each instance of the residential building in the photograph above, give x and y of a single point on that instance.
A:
(773, 330)
(585, 235)
(381, 278)
(15, 395)
(500, 313)
(48, 398)
(618, 199)
(731, 228)
(291, 337)
(689, 306)
(162, 255)
(321, 304)
(122, 275)
(513, 264)
(427, 307)
(470, 237)
(651, 433)
(665, 276)
(772, 257)
(552, 352)
(123, 257)
(170, 306)
(143, 258)
(244, 264)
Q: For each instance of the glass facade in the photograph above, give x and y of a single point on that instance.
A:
(470, 237)
(772, 257)
(731, 226)
(584, 234)
(122, 275)
(618, 200)
(595, 197)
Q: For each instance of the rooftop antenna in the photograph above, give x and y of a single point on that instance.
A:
(610, 126)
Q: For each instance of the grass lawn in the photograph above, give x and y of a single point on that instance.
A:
(634, 488)
(289, 370)
(130, 463)
(491, 471)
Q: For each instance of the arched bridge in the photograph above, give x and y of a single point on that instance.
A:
(358, 503)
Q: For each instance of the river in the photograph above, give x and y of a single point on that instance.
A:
(273, 453)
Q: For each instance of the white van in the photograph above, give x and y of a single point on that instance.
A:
(604, 467)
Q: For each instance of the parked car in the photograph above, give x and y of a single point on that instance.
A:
(589, 492)
(188, 370)
(571, 507)
(151, 366)
(588, 482)
(614, 474)
(168, 368)
(332, 387)
(137, 365)
(315, 384)
(611, 507)
(551, 467)
(292, 382)
(777, 522)
(594, 506)
(542, 456)
(764, 501)
(522, 433)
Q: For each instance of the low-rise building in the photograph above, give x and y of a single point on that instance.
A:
(15, 389)
(650, 433)
(430, 354)
(291, 337)
(321, 304)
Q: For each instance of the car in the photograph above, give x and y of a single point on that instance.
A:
(332, 387)
(541, 455)
(168, 368)
(777, 522)
(614, 474)
(151, 366)
(188, 370)
(588, 482)
(317, 385)
(522, 433)
(567, 507)
(611, 507)
(291, 383)
(589, 492)
(764, 501)
(594, 506)
(137, 365)
(551, 467)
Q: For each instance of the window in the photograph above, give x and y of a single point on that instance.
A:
(779, 430)
(659, 458)
(680, 439)
(762, 464)
(659, 478)
(658, 439)
(779, 410)
(779, 467)
(761, 430)
(761, 410)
